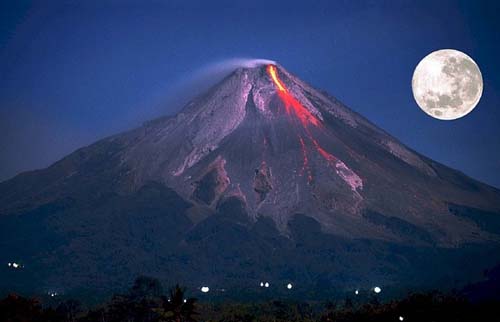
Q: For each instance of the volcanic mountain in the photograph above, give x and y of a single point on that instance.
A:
(262, 177)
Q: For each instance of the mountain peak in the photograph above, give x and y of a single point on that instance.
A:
(262, 126)
(261, 165)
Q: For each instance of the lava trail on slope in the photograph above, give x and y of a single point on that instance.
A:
(294, 108)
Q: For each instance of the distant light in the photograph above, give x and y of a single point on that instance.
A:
(377, 289)
(205, 289)
(289, 286)
(356, 292)
(261, 284)
(185, 300)
(15, 265)
(10, 264)
(267, 284)
(401, 318)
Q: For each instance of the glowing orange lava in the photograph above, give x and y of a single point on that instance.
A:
(271, 69)
(291, 103)
(305, 165)
(327, 156)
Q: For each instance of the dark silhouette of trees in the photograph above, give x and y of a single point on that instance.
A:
(177, 308)
(140, 304)
(69, 310)
(144, 302)
(95, 315)
(15, 308)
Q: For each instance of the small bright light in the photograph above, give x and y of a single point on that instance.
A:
(289, 286)
(261, 284)
(267, 284)
(10, 264)
(401, 318)
(205, 289)
(356, 292)
(185, 300)
(377, 289)
(15, 265)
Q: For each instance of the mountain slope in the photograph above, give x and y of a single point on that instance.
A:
(261, 176)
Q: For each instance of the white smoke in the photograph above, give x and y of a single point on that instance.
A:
(228, 65)
(200, 80)
(210, 74)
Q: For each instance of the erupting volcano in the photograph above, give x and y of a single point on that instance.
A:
(262, 177)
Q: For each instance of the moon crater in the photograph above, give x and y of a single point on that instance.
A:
(447, 84)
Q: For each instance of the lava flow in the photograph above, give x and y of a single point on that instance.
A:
(291, 103)
(305, 166)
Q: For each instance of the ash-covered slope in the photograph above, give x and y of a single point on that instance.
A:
(261, 176)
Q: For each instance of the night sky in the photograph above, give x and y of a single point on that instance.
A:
(73, 73)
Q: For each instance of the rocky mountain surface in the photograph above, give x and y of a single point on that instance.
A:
(262, 177)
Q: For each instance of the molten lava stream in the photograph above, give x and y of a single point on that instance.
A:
(292, 104)
(305, 117)
(305, 164)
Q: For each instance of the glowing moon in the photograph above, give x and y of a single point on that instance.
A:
(447, 84)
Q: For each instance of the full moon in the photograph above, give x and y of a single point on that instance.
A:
(447, 84)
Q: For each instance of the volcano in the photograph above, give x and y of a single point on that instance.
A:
(261, 178)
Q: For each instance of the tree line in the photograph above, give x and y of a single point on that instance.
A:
(146, 302)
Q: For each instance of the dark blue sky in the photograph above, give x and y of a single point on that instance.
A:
(72, 73)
